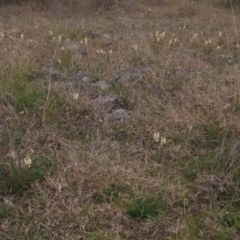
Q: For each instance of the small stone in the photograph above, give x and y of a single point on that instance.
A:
(133, 74)
(106, 36)
(103, 101)
(54, 73)
(71, 46)
(62, 85)
(84, 77)
(119, 115)
(101, 84)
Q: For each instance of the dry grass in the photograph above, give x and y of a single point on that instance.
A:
(93, 178)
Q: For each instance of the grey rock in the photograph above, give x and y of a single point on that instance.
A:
(84, 77)
(229, 58)
(101, 84)
(103, 102)
(65, 85)
(119, 115)
(54, 73)
(106, 36)
(111, 46)
(71, 46)
(134, 74)
(59, 85)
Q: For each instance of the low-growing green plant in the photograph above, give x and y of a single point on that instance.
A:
(116, 191)
(5, 211)
(19, 178)
(153, 171)
(30, 101)
(208, 47)
(36, 234)
(231, 219)
(112, 193)
(190, 174)
(124, 102)
(157, 155)
(142, 208)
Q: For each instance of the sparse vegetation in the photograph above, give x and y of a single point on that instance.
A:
(119, 120)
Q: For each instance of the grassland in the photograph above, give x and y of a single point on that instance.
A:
(170, 170)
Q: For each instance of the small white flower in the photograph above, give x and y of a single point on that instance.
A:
(162, 35)
(2, 34)
(27, 161)
(75, 96)
(194, 35)
(59, 38)
(11, 154)
(172, 41)
(21, 36)
(227, 106)
(135, 46)
(207, 42)
(220, 34)
(156, 136)
(102, 51)
(85, 41)
(30, 152)
(163, 141)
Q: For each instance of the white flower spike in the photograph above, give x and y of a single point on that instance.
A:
(27, 161)
(156, 136)
(75, 96)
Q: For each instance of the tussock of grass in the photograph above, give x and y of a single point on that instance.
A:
(168, 169)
